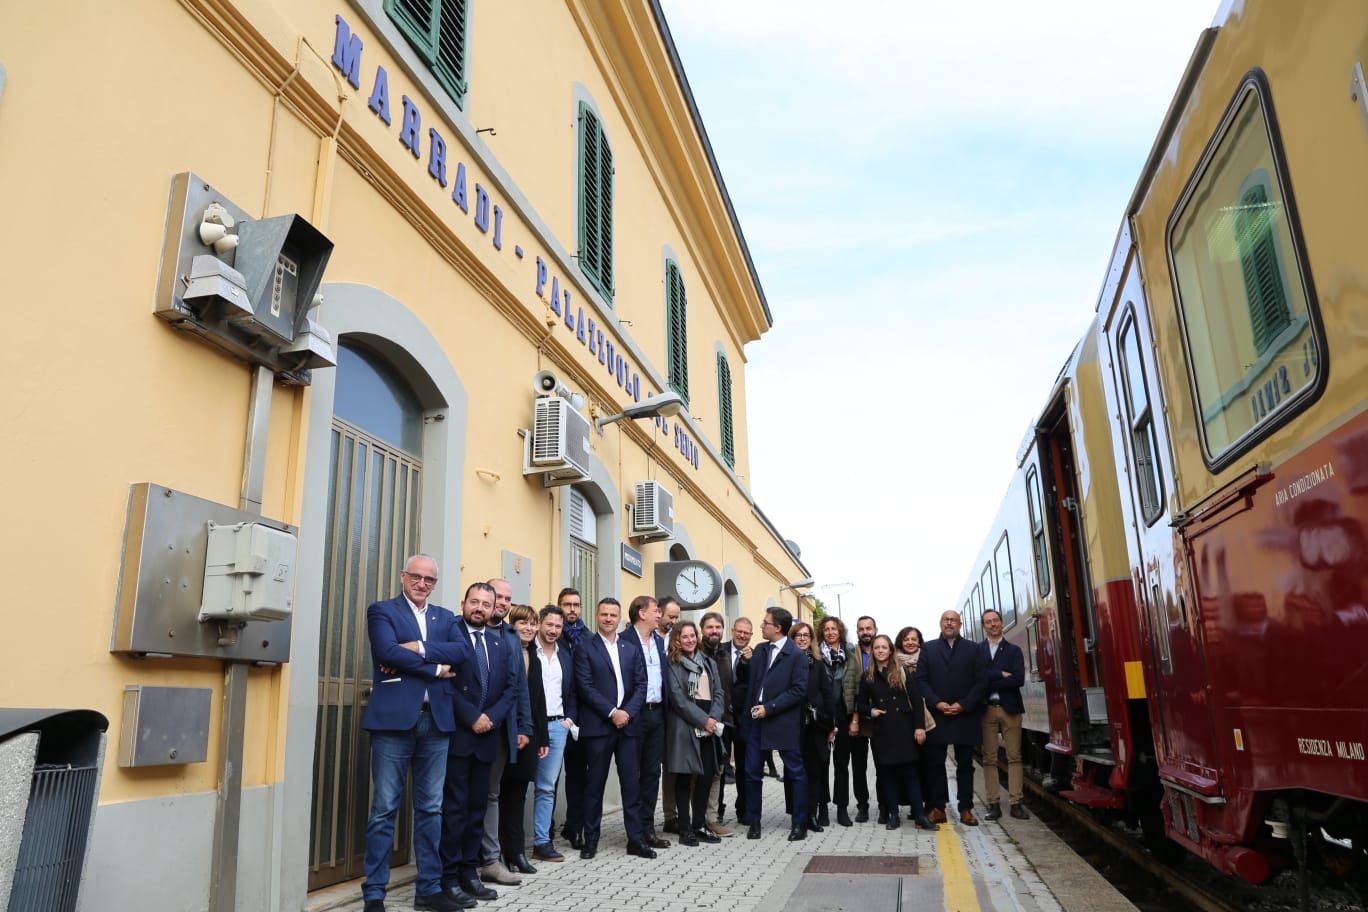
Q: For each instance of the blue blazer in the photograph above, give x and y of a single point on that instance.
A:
(785, 687)
(596, 686)
(507, 684)
(958, 675)
(1010, 659)
(397, 699)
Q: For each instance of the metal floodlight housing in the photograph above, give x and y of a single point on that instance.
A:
(667, 405)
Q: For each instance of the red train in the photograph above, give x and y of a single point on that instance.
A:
(1182, 550)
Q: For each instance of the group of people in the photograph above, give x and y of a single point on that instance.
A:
(482, 706)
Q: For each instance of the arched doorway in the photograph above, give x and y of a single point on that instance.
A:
(375, 480)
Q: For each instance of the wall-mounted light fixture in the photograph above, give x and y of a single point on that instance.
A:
(666, 405)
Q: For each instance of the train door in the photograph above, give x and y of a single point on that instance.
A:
(1180, 703)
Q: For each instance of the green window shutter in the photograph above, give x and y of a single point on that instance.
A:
(596, 202)
(437, 31)
(677, 334)
(724, 409)
(1269, 313)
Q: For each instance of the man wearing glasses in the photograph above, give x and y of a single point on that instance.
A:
(773, 721)
(410, 718)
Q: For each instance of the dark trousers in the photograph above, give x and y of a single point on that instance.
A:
(576, 769)
(512, 807)
(938, 779)
(858, 752)
(602, 750)
(464, 800)
(736, 745)
(693, 811)
(840, 764)
(816, 764)
(651, 735)
(794, 774)
(901, 781)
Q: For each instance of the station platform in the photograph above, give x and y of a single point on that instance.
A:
(1003, 866)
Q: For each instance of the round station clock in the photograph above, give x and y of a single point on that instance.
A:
(696, 584)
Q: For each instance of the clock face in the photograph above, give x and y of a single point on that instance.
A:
(695, 585)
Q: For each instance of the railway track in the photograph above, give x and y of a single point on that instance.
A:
(1187, 892)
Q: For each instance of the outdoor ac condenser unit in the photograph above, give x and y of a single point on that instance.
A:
(653, 512)
(558, 446)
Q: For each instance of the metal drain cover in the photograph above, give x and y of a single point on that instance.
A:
(895, 866)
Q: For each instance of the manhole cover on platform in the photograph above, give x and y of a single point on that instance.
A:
(895, 866)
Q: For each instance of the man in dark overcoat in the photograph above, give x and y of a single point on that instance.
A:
(952, 676)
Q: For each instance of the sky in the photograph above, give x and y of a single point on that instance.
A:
(930, 192)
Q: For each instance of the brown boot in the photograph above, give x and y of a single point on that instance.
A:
(994, 811)
(1019, 812)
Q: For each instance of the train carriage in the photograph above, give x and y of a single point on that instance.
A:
(1224, 590)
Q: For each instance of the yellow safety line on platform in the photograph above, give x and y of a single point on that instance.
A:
(958, 886)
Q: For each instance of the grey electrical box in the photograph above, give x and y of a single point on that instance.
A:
(248, 572)
(163, 725)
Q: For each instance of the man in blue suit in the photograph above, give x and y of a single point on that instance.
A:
(1002, 716)
(610, 681)
(952, 676)
(773, 722)
(410, 718)
(485, 694)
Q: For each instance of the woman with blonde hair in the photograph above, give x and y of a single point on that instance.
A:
(888, 696)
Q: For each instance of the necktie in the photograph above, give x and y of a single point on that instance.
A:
(482, 663)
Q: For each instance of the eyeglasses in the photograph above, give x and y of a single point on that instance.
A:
(802, 636)
(419, 578)
(768, 623)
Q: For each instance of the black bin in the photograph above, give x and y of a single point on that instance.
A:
(62, 797)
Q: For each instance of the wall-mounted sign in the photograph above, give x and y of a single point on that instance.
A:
(631, 560)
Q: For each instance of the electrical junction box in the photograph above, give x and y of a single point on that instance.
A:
(248, 573)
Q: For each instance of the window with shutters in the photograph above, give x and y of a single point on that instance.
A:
(437, 30)
(595, 182)
(676, 330)
(724, 409)
(1250, 326)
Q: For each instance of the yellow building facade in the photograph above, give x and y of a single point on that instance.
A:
(497, 192)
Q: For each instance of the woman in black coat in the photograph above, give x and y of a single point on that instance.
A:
(889, 698)
(521, 771)
(819, 727)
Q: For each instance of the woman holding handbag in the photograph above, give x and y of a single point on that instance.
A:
(888, 697)
(692, 731)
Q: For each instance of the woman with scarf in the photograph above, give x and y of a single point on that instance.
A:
(890, 699)
(907, 650)
(819, 727)
(831, 634)
(692, 730)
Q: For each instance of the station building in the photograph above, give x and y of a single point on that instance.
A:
(296, 288)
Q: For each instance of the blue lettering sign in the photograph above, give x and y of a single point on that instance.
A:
(413, 122)
(590, 332)
(541, 277)
(555, 294)
(347, 53)
(481, 209)
(579, 319)
(458, 188)
(437, 156)
(379, 99)
(498, 228)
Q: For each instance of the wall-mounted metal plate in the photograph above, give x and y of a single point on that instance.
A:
(164, 725)
(161, 584)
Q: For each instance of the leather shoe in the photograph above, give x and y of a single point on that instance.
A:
(994, 811)
(460, 897)
(374, 905)
(936, 815)
(1019, 812)
(754, 831)
(717, 829)
(967, 818)
(923, 824)
(813, 826)
(640, 849)
(842, 817)
(796, 834)
(478, 890)
(688, 839)
(546, 852)
(893, 823)
(883, 816)
(822, 817)
(576, 840)
(655, 841)
(439, 902)
(671, 826)
(862, 814)
(704, 834)
(519, 864)
(495, 872)
(589, 849)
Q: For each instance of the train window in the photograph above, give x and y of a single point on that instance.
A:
(1042, 561)
(1002, 560)
(1244, 292)
(977, 597)
(989, 590)
(1144, 447)
(1033, 647)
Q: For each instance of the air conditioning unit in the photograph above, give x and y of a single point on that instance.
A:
(558, 446)
(653, 512)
